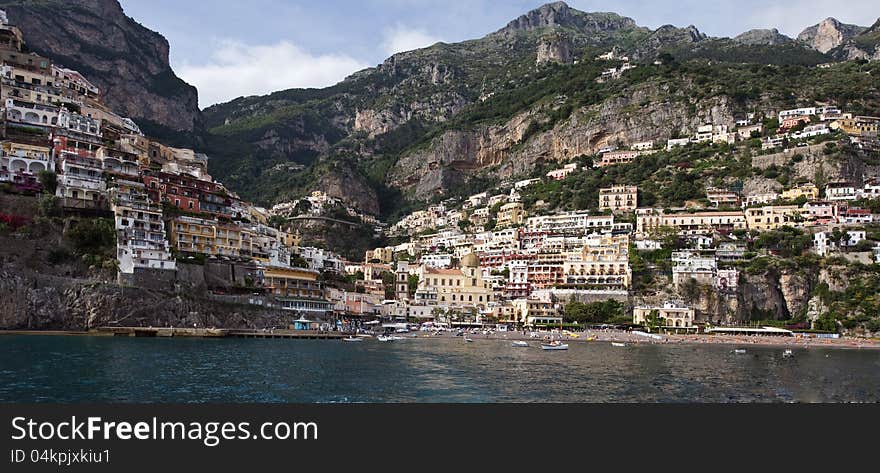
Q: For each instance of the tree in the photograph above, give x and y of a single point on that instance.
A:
(47, 205)
(412, 284)
(388, 280)
(690, 290)
(49, 180)
(826, 322)
(653, 321)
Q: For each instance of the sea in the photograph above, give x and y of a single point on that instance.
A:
(81, 369)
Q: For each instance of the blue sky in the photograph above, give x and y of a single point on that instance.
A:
(232, 48)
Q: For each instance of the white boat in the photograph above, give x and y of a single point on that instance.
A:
(467, 339)
(554, 345)
(519, 343)
(739, 351)
(788, 353)
(352, 339)
(383, 338)
(618, 344)
(397, 337)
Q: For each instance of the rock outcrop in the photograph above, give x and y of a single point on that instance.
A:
(769, 37)
(556, 49)
(618, 121)
(559, 14)
(866, 45)
(829, 34)
(127, 61)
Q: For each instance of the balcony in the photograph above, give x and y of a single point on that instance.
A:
(83, 182)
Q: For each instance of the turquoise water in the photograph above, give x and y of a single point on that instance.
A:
(101, 369)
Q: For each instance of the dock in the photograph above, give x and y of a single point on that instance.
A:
(183, 332)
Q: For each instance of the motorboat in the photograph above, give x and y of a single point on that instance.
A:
(352, 339)
(554, 345)
(468, 339)
(618, 344)
(787, 353)
(383, 338)
(739, 351)
(519, 343)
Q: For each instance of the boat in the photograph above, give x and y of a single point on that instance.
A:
(618, 344)
(788, 353)
(739, 351)
(554, 345)
(519, 343)
(352, 339)
(468, 339)
(383, 338)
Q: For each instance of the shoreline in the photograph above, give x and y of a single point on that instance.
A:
(620, 336)
(589, 336)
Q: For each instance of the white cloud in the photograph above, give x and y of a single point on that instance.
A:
(401, 38)
(237, 69)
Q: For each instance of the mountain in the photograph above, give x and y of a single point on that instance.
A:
(865, 45)
(450, 119)
(759, 36)
(360, 127)
(127, 61)
(829, 34)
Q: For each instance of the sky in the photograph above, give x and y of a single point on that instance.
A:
(233, 48)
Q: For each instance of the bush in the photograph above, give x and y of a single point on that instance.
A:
(93, 236)
(58, 256)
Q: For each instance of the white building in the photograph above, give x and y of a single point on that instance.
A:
(577, 221)
(823, 244)
(837, 191)
(140, 230)
(439, 260)
(796, 112)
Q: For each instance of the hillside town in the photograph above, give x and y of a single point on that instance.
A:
(482, 260)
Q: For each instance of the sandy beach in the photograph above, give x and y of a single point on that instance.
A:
(593, 336)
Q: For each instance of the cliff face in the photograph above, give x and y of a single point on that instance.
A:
(127, 61)
(41, 302)
(829, 34)
(619, 121)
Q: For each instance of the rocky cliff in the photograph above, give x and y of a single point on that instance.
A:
(866, 45)
(762, 36)
(829, 34)
(426, 122)
(30, 301)
(127, 61)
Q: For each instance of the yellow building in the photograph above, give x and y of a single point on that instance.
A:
(618, 198)
(534, 311)
(809, 190)
(24, 158)
(458, 287)
(510, 214)
(382, 255)
(858, 126)
(297, 290)
(292, 282)
(601, 264)
(771, 217)
(199, 235)
(675, 316)
(649, 220)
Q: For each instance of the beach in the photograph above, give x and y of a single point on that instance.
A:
(622, 336)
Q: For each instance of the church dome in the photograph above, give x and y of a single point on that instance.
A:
(470, 261)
